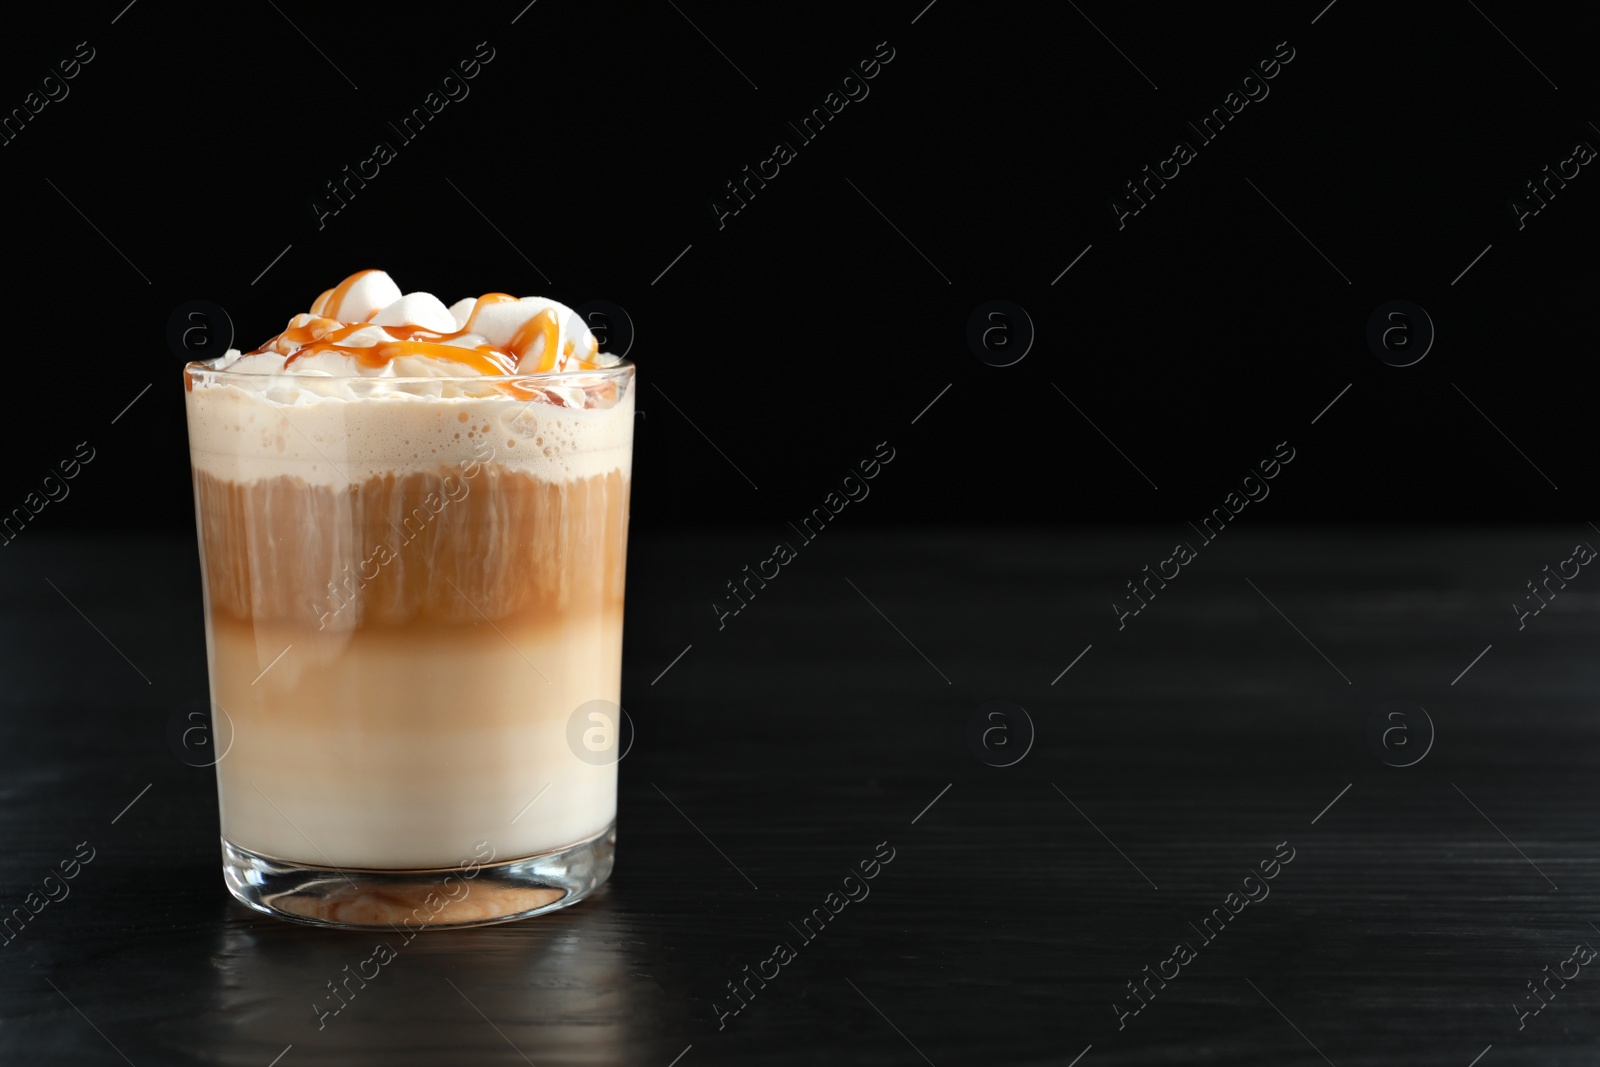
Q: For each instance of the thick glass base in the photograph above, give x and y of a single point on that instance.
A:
(435, 899)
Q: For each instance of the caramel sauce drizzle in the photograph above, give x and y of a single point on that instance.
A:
(332, 298)
(323, 333)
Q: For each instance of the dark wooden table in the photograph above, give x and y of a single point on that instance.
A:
(1231, 720)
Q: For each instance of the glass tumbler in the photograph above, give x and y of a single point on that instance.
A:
(413, 603)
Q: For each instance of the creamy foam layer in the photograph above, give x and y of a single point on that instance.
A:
(248, 433)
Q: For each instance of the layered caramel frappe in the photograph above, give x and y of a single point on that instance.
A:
(413, 522)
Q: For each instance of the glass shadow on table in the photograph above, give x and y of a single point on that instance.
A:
(566, 987)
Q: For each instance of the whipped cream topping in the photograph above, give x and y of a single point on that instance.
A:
(366, 327)
(343, 394)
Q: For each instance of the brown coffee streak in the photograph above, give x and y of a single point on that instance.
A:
(422, 547)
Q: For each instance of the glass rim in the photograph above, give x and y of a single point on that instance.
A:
(620, 369)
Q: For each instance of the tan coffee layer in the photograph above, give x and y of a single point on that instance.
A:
(446, 546)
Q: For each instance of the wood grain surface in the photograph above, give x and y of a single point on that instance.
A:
(1226, 723)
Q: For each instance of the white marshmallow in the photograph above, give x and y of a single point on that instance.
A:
(529, 364)
(369, 293)
(572, 332)
(461, 310)
(499, 323)
(367, 337)
(417, 309)
(467, 340)
(577, 331)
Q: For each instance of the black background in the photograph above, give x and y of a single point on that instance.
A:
(806, 329)
(1231, 715)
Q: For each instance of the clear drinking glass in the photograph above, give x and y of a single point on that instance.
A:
(413, 598)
